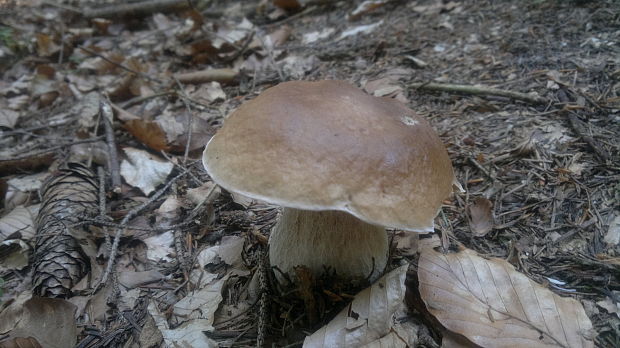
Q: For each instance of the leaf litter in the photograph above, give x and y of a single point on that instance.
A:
(550, 170)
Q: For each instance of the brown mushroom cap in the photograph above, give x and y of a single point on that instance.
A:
(327, 145)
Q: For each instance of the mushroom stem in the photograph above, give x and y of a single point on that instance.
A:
(354, 249)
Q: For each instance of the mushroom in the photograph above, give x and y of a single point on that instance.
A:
(344, 165)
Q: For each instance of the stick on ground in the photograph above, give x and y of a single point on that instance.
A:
(479, 90)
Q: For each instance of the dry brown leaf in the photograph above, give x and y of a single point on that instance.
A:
(46, 45)
(493, 305)
(49, 320)
(149, 133)
(480, 214)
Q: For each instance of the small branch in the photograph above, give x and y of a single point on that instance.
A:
(190, 120)
(123, 226)
(136, 9)
(479, 90)
(51, 149)
(113, 165)
(102, 207)
(209, 75)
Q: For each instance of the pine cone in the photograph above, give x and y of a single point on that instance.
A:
(69, 196)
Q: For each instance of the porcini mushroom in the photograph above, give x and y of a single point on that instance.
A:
(344, 165)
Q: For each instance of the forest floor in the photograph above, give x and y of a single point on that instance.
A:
(532, 129)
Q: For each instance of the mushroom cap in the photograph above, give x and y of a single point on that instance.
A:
(327, 145)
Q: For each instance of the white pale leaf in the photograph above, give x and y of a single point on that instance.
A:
(160, 247)
(143, 170)
(493, 305)
(367, 319)
(201, 304)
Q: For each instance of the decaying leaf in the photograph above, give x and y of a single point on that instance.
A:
(48, 320)
(493, 305)
(480, 214)
(368, 318)
(60, 260)
(143, 170)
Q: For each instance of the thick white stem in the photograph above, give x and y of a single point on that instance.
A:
(351, 247)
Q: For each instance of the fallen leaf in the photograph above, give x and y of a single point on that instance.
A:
(480, 214)
(365, 7)
(19, 220)
(149, 133)
(143, 170)
(49, 320)
(202, 303)
(609, 305)
(367, 319)
(493, 305)
(160, 247)
(209, 93)
(8, 118)
(228, 251)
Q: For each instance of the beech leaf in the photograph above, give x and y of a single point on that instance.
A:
(493, 305)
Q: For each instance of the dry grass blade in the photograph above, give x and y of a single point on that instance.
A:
(493, 305)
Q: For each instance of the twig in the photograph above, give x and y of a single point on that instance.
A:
(123, 226)
(209, 75)
(140, 99)
(102, 208)
(136, 9)
(51, 149)
(106, 114)
(190, 119)
(479, 90)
